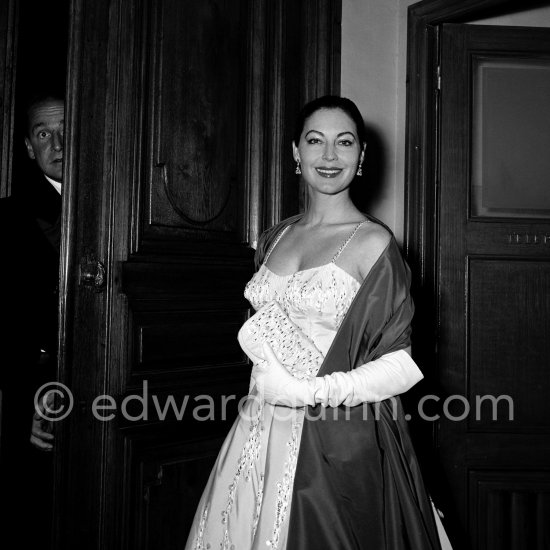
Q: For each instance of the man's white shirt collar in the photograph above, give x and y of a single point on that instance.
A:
(56, 184)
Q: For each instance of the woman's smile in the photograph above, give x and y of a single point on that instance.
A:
(328, 172)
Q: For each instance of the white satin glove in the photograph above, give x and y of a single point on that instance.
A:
(277, 386)
(390, 375)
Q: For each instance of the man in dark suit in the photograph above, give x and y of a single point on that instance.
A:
(29, 248)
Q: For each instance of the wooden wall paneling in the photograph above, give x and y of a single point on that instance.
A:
(275, 84)
(197, 118)
(507, 507)
(98, 167)
(8, 48)
(121, 165)
(166, 479)
(322, 20)
(255, 121)
(501, 293)
(166, 473)
(165, 341)
(76, 468)
(253, 127)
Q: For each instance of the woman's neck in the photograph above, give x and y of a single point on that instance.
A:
(330, 209)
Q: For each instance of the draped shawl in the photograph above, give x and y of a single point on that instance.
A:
(357, 483)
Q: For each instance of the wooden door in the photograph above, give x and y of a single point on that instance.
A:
(179, 121)
(493, 283)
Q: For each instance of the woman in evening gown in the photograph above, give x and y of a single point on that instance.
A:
(320, 455)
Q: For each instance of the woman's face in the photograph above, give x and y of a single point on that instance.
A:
(329, 151)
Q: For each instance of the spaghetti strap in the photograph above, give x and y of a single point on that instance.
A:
(346, 242)
(274, 244)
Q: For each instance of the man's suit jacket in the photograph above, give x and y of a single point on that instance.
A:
(29, 252)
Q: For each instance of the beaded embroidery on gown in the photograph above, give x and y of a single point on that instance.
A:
(247, 500)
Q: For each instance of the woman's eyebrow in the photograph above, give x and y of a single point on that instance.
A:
(346, 132)
(339, 135)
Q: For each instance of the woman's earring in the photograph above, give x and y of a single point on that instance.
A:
(360, 169)
(298, 169)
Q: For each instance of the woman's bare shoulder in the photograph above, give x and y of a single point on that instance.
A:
(374, 233)
(371, 242)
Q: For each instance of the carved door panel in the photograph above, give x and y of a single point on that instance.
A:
(494, 282)
(179, 125)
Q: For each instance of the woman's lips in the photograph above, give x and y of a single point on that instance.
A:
(328, 172)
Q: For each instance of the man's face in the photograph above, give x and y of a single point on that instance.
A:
(44, 139)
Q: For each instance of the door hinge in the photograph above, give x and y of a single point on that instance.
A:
(439, 77)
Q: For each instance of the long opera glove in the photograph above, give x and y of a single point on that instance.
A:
(390, 375)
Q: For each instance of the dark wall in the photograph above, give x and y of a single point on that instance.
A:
(40, 66)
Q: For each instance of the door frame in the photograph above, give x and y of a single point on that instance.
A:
(421, 151)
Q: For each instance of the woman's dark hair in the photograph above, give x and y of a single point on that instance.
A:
(330, 102)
